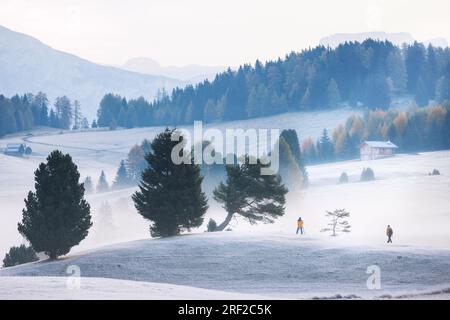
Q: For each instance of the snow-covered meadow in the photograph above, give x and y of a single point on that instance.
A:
(268, 260)
(62, 288)
(263, 264)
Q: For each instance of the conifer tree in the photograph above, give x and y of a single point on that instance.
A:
(343, 178)
(291, 138)
(56, 216)
(212, 225)
(19, 255)
(102, 185)
(53, 119)
(255, 197)
(325, 147)
(288, 166)
(170, 194)
(367, 175)
(106, 219)
(88, 185)
(122, 179)
(333, 94)
(84, 123)
(64, 112)
(77, 116)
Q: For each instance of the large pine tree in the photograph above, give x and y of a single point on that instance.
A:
(291, 138)
(64, 112)
(170, 195)
(56, 216)
(255, 197)
(289, 169)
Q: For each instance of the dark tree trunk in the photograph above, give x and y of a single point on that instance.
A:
(224, 224)
(53, 256)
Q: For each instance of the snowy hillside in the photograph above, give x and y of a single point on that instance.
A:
(28, 65)
(263, 260)
(403, 194)
(267, 265)
(30, 288)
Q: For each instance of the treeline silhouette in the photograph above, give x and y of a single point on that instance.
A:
(367, 74)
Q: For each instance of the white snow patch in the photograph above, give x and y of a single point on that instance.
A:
(58, 288)
(280, 266)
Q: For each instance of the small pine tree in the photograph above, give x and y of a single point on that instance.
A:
(105, 218)
(338, 222)
(135, 163)
(19, 255)
(367, 175)
(88, 185)
(343, 178)
(170, 195)
(84, 123)
(56, 216)
(77, 116)
(325, 147)
(435, 172)
(122, 180)
(212, 226)
(333, 94)
(102, 185)
(94, 124)
(349, 149)
(53, 119)
(64, 112)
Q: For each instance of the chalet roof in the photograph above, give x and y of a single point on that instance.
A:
(381, 144)
(13, 147)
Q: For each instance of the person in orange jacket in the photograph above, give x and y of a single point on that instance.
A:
(389, 233)
(300, 225)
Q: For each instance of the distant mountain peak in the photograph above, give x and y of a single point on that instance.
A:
(28, 66)
(191, 73)
(142, 62)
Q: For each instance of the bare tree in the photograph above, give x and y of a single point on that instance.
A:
(338, 222)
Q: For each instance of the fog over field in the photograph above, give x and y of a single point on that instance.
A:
(402, 195)
(314, 161)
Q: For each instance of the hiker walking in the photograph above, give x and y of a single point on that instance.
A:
(389, 233)
(299, 225)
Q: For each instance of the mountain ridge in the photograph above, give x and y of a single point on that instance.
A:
(29, 65)
(191, 73)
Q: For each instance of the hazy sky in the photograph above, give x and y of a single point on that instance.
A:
(211, 32)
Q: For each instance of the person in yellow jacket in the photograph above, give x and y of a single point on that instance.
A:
(300, 224)
(389, 233)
